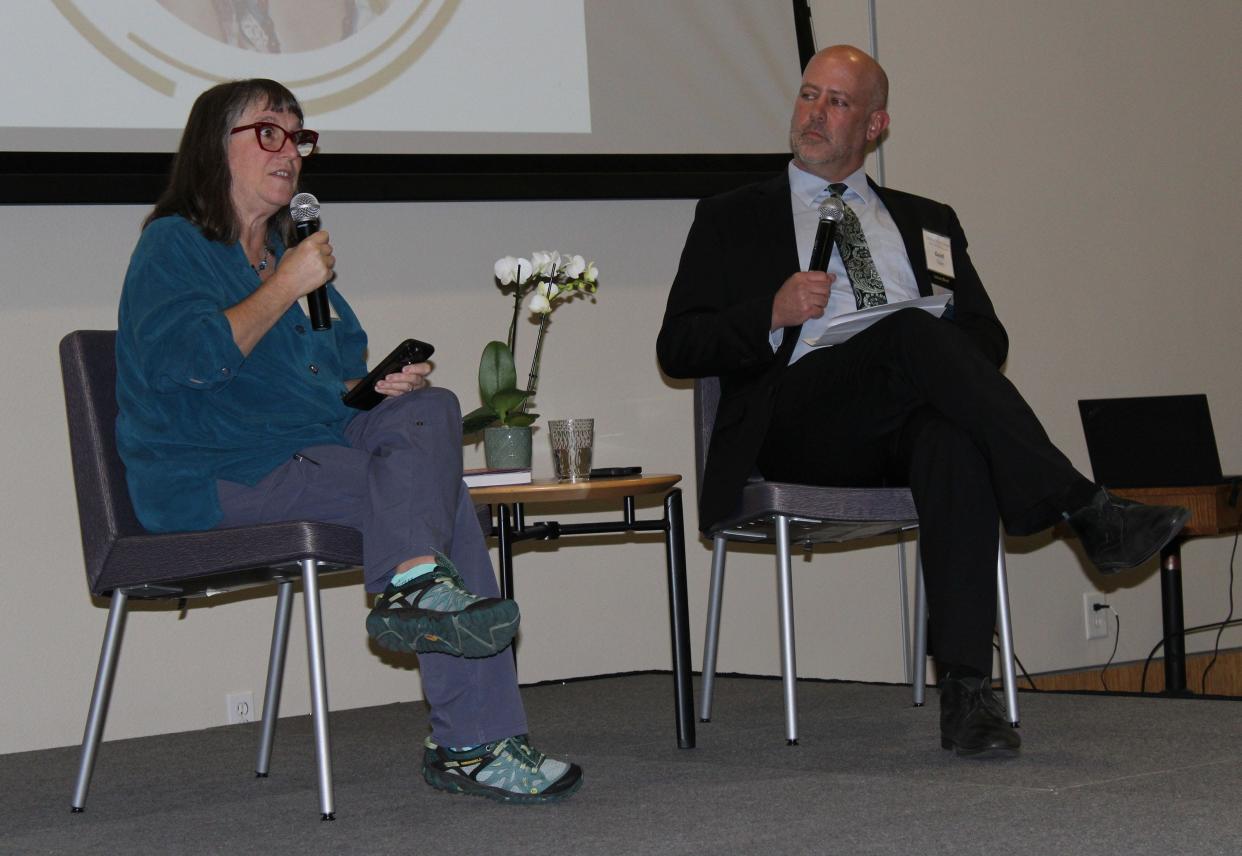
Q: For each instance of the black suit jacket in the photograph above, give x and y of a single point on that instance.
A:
(740, 250)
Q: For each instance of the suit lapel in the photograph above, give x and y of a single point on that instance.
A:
(776, 225)
(911, 229)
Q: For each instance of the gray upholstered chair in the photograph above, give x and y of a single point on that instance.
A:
(124, 561)
(789, 514)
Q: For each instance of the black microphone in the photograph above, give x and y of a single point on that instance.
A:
(831, 212)
(304, 208)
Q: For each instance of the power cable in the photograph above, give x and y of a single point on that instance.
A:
(1228, 618)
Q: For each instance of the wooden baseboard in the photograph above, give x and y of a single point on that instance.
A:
(1225, 679)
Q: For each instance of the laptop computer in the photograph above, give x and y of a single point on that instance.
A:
(1152, 441)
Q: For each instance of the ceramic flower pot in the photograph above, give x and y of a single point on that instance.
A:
(507, 448)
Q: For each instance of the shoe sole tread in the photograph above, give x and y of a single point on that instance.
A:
(454, 784)
(479, 631)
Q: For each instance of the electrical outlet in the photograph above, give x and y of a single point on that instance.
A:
(240, 707)
(1096, 619)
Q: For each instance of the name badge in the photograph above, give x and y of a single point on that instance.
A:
(939, 253)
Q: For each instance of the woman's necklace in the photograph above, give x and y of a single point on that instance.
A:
(263, 260)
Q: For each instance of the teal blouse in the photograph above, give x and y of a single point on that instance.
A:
(192, 409)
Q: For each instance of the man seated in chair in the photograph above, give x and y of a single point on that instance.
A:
(912, 400)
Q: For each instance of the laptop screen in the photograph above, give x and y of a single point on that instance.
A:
(1152, 441)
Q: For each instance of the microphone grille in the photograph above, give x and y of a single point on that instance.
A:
(303, 208)
(831, 209)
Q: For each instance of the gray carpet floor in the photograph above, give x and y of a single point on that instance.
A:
(1097, 775)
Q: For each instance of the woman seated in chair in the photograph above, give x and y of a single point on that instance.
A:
(231, 414)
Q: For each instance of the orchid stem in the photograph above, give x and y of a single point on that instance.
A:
(517, 310)
(533, 381)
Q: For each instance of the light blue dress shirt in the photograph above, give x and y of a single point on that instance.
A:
(884, 240)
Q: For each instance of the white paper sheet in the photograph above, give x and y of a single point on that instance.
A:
(843, 326)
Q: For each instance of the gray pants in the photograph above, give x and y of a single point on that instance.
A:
(399, 482)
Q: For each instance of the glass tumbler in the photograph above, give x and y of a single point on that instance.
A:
(571, 440)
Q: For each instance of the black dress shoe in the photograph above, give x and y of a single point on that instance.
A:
(972, 722)
(1119, 533)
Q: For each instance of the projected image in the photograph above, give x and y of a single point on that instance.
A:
(375, 69)
(277, 26)
(409, 77)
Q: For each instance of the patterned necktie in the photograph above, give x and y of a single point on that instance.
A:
(868, 287)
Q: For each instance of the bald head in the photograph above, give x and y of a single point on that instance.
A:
(872, 79)
(839, 112)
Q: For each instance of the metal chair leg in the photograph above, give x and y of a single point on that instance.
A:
(100, 697)
(711, 640)
(275, 676)
(903, 591)
(919, 682)
(789, 671)
(1006, 635)
(319, 686)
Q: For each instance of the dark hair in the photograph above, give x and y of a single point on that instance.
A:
(199, 185)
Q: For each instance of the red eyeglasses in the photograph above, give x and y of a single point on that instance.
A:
(272, 137)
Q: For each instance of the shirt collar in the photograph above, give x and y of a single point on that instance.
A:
(807, 187)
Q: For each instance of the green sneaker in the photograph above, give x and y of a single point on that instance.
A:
(435, 613)
(508, 770)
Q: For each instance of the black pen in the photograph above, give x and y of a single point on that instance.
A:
(298, 456)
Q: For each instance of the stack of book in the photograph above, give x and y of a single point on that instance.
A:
(484, 477)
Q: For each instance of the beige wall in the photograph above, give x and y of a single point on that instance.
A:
(1085, 147)
(1089, 151)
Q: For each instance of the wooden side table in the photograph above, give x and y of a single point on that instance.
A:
(511, 526)
(1213, 511)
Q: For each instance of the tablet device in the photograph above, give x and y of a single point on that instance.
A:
(363, 396)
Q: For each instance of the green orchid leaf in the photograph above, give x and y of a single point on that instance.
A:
(522, 420)
(508, 399)
(496, 370)
(478, 419)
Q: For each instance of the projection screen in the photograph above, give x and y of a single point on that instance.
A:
(412, 98)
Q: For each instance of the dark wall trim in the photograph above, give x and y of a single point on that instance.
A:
(138, 178)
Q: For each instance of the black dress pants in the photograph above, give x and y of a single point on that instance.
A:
(911, 401)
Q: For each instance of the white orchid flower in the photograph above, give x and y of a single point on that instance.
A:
(574, 267)
(540, 305)
(548, 290)
(591, 274)
(524, 271)
(506, 270)
(541, 262)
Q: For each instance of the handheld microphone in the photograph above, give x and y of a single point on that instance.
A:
(831, 212)
(304, 209)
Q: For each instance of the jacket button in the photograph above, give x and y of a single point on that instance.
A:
(314, 369)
